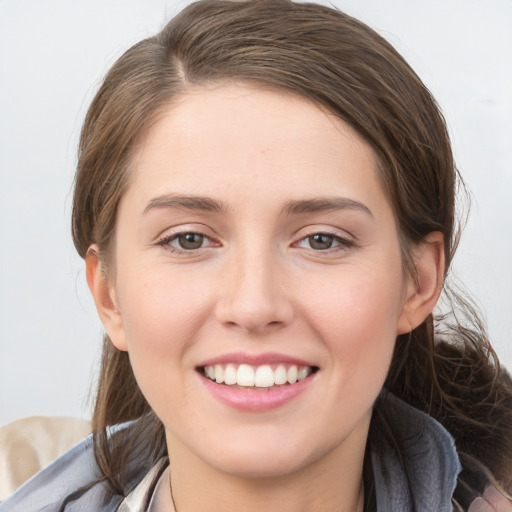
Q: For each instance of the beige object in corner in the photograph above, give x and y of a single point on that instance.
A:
(30, 444)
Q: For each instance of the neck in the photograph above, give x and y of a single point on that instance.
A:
(332, 484)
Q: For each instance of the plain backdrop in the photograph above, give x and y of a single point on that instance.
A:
(52, 57)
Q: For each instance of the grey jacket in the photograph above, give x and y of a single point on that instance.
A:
(415, 469)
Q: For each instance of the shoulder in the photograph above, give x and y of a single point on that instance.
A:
(74, 473)
(46, 490)
(29, 444)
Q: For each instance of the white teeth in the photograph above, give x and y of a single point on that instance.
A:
(245, 375)
(230, 375)
(280, 375)
(262, 376)
(303, 373)
(219, 373)
(292, 374)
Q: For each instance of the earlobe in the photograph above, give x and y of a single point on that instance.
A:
(424, 288)
(104, 298)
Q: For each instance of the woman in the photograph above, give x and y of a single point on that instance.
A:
(265, 204)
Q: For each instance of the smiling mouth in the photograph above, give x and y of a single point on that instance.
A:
(259, 377)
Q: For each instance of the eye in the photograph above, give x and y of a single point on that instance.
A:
(325, 242)
(189, 241)
(185, 242)
(320, 241)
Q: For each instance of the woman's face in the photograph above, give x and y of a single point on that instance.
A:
(255, 245)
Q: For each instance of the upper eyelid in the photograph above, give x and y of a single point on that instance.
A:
(343, 240)
(306, 231)
(181, 229)
(177, 234)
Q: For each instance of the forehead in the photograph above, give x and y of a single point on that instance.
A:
(243, 139)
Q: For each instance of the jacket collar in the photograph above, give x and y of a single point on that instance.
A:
(415, 463)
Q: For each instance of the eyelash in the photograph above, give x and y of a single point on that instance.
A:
(342, 243)
(167, 240)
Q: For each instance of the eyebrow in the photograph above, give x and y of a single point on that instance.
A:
(185, 203)
(324, 204)
(202, 203)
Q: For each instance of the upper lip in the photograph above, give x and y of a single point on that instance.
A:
(254, 359)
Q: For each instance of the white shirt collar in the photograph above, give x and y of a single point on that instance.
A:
(161, 499)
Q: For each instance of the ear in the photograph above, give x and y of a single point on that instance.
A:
(105, 298)
(423, 288)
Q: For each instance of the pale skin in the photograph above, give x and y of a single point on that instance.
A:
(296, 253)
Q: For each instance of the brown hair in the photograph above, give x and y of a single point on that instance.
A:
(344, 66)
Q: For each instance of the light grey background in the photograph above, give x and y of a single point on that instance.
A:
(52, 55)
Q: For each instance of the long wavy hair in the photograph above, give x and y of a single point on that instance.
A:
(446, 368)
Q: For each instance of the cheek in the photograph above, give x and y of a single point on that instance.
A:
(356, 316)
(364, 298)
(162, 317)
(162, 314)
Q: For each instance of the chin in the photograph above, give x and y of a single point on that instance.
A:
(262, 467)
(259, 458)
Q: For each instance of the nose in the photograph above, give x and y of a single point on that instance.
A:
(254, 295)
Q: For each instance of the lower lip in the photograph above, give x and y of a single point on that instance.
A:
(254, 399)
